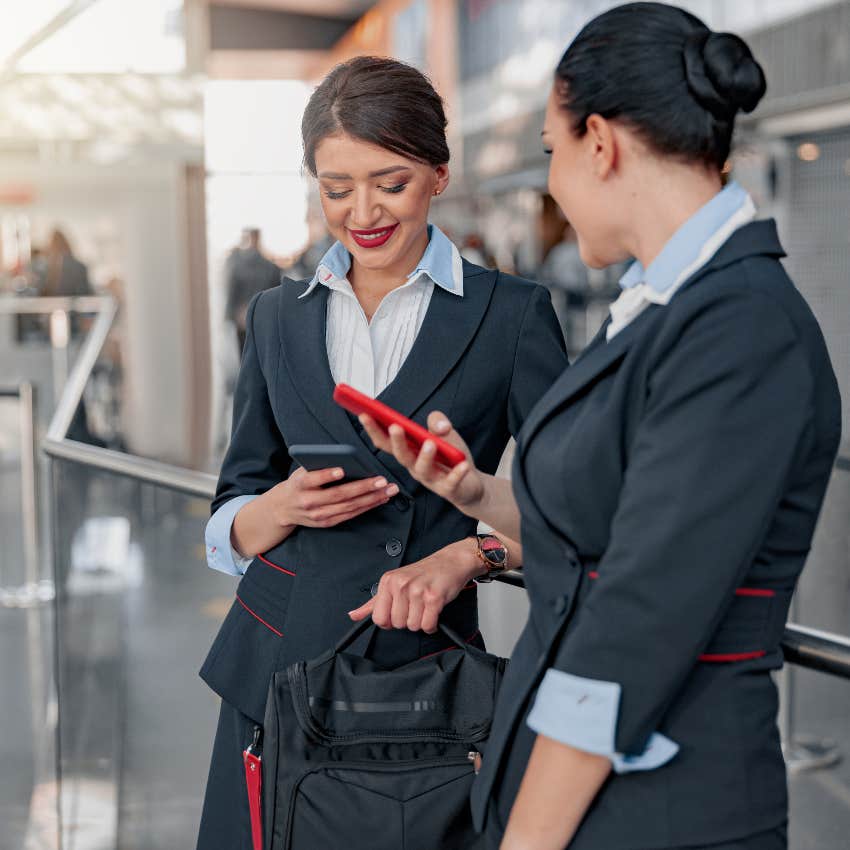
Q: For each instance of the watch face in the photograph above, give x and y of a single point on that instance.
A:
(493, 550)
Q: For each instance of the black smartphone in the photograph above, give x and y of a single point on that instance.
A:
(313, 457)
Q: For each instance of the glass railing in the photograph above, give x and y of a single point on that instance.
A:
(137, 609)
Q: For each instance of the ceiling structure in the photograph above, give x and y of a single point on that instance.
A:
(57, 104)
(275, 38)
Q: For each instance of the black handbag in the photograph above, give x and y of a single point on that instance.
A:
(363, 758)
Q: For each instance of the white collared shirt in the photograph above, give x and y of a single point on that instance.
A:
(368, 355)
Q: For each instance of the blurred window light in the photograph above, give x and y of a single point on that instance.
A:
(111, 36)
(28, 18)
(254, 156)
(254, 126)
(808, 152)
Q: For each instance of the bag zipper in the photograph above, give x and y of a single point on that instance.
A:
(295, 675)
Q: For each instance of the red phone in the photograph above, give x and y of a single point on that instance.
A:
(357, 402)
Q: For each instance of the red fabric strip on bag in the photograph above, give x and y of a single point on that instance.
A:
(254, 784)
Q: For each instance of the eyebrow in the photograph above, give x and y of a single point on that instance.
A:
(332, 175)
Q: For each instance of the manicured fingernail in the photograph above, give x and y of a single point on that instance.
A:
(429, 447)
(392, 490)
(380, 482)
(338, 473)
(443, 423)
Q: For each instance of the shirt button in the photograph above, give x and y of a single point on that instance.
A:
(401, 503)
(394, 547)
(559, 605)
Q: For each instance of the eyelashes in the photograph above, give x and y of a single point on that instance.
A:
(390, 190)
(547, 151)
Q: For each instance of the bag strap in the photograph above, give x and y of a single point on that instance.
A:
(367, 624)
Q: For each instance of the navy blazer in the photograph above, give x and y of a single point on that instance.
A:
(484, 359)
(669, 484)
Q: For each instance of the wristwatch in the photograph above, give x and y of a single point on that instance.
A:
(494, 555)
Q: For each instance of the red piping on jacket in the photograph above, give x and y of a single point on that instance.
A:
(258, 617)
(754, 591)
(732, 656)
(275, 566)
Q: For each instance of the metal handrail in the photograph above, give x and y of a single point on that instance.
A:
(806, 647)
(57, 444)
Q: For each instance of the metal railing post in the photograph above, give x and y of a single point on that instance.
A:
(33, 590)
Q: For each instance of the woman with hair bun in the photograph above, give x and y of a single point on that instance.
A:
(393, 310)
(668, 484)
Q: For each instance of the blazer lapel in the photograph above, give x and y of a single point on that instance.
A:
(303, 325)
(447, 330)
(592, 363)
(755, 238)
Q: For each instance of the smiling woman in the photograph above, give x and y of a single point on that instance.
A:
(374, 135)
(394, 311)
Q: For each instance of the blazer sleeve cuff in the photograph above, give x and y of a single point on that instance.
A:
(582, 713)
(221, 555)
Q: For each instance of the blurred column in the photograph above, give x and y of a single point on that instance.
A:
(442, 52)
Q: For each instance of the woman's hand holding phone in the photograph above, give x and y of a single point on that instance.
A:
(462, 485)
(303, 499)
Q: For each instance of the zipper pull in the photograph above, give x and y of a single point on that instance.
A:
(475, 757)
(255, 747)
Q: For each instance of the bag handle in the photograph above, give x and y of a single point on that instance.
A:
(363, 625)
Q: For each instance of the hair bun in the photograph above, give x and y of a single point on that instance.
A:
(722, 74)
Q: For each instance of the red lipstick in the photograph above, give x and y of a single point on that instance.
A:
(372, 238)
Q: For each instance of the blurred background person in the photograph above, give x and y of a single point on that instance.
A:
(247, 271)
(64, 276)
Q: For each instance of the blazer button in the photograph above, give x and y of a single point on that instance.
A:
(559, 605)
(394, 547)
(401, 503)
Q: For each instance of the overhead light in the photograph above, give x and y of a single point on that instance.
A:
(808, 151)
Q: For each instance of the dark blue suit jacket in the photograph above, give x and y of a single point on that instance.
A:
(669, 484)
(484, 359)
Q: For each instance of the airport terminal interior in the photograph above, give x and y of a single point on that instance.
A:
(146, 148)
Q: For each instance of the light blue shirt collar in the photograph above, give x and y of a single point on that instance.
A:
(685, 244)
(441, 262)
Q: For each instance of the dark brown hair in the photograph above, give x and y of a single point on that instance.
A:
(377, 100)
(665, 73)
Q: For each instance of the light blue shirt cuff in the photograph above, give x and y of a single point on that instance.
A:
(221, 555)
(582, 713)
